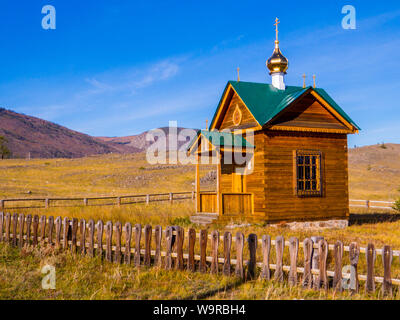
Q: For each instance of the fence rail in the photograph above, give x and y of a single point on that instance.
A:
(87, 238)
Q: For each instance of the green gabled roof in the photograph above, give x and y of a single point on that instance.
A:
(223, 139)
(265, 101)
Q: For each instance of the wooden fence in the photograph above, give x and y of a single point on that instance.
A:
(91, 201)
(175, 248)
(373, 204)
(145, 198)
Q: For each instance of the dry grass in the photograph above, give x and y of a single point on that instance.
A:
(130, 174)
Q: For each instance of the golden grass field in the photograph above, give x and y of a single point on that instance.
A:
(130, 174)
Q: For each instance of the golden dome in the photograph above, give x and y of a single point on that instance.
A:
(277, 62)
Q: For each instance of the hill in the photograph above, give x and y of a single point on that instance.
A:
(374, 172)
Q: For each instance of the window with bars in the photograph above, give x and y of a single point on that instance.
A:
(308, 173)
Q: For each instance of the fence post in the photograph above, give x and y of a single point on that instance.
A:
(128, 237)
(337, 276)
(118, 201)
(15, 223)
(118, 232)
(82, 232)
(251, 267)
(227, 253)
(307, 275)
(109, 233)
(8, 225)
(367, 204)
(203, 250)
(279, 246)
(214, 253)
(91, 238)
(239, 255)
(180, 236)
(35, 226)
(100, 229)
(46, 203)
(266, 250)
(315, 260)
(323, 255)
(28, 228)
(50, 229)
(85, 201)
(2, 205)
(293, 250)
(158, 238)
(370, 256)
(171, 197)
(147, 245)
(147, 199)
(1, 225)
(138, 235)
(169, 238)
(74, 231)
(43, 228)
(21, 230)
(354, 253)
(58, 230)
(387, 256)
(192, 195)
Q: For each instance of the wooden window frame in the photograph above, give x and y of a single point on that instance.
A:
(318, 191)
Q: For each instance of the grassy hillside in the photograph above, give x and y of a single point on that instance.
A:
(374, 172)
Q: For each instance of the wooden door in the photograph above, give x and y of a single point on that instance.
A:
(237, 183)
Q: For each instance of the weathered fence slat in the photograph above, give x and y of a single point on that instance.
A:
(65, 232)
(35, 226)
(251, 266)
(293, 251)
(21, 230)
(138, 235)
(354, 253)
(337, 275)
(50, 230)
(128, 239)
(82, 233)
(74, 231)
(180, 236)
(118, 234)
(43, 228)
(239, 242)
(266, 251)
(157, 239)
(370, 256)
(192, 241)
(147, 245)
(308, 250)
(90, 250)
(203, 250)
(227, 253)
(58, 232)
(15, 224)
(279, 246)
(323, 255)
(214, 251)
(8, 225)
(1, 225)
(100, 230)
(169, 243)
(315, 261)
(387, 256)
(28, 228)
(109, 233)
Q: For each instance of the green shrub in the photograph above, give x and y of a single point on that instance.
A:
(396, 205)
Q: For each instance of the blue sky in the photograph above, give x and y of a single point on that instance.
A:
(121, 67)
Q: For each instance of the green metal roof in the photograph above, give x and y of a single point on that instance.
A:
(265, 101)
(223, 139)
